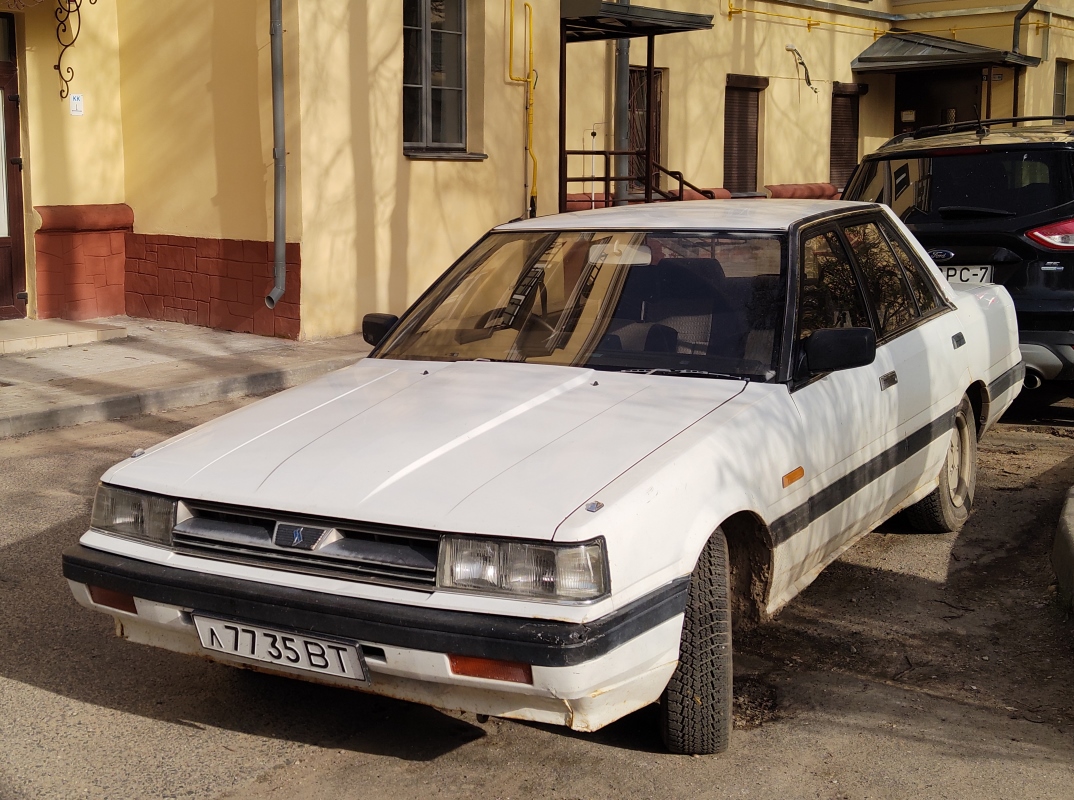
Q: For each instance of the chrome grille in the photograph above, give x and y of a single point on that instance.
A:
(356, 551)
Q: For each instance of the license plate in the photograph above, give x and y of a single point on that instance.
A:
(972, 274)
(314, 654)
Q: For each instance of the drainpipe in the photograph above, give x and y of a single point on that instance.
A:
(1015, 49)
(1018, 24)
(279, 156)
(622, 115)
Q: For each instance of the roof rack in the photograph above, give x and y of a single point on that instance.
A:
(981, 126)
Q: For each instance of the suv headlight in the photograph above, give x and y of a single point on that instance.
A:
(134, 514)
(568, 572)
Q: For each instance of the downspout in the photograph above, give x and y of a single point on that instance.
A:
(1015, 49)
(279, 156)
(1018, 25)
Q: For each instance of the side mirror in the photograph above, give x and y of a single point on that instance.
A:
(377, 326)
(832, 349)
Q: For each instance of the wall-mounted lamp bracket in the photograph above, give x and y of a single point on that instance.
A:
(68, 26)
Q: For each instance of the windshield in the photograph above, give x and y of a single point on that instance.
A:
(975, 184)
(706, 303)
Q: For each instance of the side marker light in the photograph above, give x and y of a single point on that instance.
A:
(792, 476)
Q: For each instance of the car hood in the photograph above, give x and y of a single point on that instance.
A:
(470, 447)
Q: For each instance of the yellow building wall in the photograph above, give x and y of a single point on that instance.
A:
(378, 227)
(72, 160)
(197, 117)
(796, 121)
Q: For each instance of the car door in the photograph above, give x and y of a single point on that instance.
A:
(847, 417)
(917, 344)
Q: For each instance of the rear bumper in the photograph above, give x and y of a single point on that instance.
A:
(1050, 353)
(585, 675)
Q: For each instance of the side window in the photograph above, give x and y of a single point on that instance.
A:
(921, 286)
(829, 295)
(894, 305)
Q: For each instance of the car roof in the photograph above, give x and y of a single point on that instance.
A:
(1001, 137)
(736, 215)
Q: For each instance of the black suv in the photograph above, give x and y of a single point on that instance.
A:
(992, 205)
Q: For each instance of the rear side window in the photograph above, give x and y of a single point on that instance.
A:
(970, 186)
(884, 280)
(830, 296)
(923, 290)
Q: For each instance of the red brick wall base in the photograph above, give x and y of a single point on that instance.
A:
(218, 283)
(80, 260)
(91, 264)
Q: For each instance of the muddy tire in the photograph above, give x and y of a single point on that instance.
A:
(695, 709)
(948, 507)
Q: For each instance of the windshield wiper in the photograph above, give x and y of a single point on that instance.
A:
(688, 373)
(973, 211)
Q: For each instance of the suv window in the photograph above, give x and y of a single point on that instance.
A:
(884, 279)
(970, 185)
(830, 296)
(921, 286)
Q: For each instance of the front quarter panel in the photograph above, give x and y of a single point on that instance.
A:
(658, 515)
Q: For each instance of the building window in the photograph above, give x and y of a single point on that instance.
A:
(434, 74)
(1059, 102)
(844, 139)
(742, 103)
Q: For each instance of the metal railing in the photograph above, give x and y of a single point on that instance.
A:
(652, 190)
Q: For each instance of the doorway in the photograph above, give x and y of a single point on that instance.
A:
(638, 104)
(12, 241)
(936, 97)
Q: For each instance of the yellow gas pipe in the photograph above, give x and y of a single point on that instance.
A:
(530, 80)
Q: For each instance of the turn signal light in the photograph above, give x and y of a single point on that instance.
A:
(121, 601)
(1057, 236)
(490, 668)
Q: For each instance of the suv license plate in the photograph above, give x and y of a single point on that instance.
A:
(972, 274)
(314, 654)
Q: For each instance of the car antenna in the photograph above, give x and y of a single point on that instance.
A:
(981, 130)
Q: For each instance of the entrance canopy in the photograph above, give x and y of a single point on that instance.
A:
(595, 20)
(905, 51)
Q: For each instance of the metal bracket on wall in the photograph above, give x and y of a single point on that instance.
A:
(68, 26)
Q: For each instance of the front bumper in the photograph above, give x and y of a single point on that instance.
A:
(585, 675)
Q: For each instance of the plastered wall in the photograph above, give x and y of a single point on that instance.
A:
(379, 227)
(197, 117)
(73, 160)
(795, 131)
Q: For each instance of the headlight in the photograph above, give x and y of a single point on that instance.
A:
(574, 572)
(134, 514)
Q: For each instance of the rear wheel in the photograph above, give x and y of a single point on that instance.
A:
(948, 507)
(695, 709)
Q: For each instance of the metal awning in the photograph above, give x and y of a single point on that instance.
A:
(905, 51)
(596, 20)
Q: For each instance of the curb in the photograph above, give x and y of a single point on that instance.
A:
(128, 404)
(1063, 554)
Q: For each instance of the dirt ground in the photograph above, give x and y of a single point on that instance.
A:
(969, 617)
(916, 666)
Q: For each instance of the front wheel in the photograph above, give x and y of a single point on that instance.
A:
(695, 709)
(948, 507)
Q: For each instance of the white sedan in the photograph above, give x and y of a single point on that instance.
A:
(595, 445)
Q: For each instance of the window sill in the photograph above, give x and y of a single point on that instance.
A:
(444, 155)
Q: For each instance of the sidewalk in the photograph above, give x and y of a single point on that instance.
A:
(158, 365)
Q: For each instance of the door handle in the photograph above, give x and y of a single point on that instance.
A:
(887, 380)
